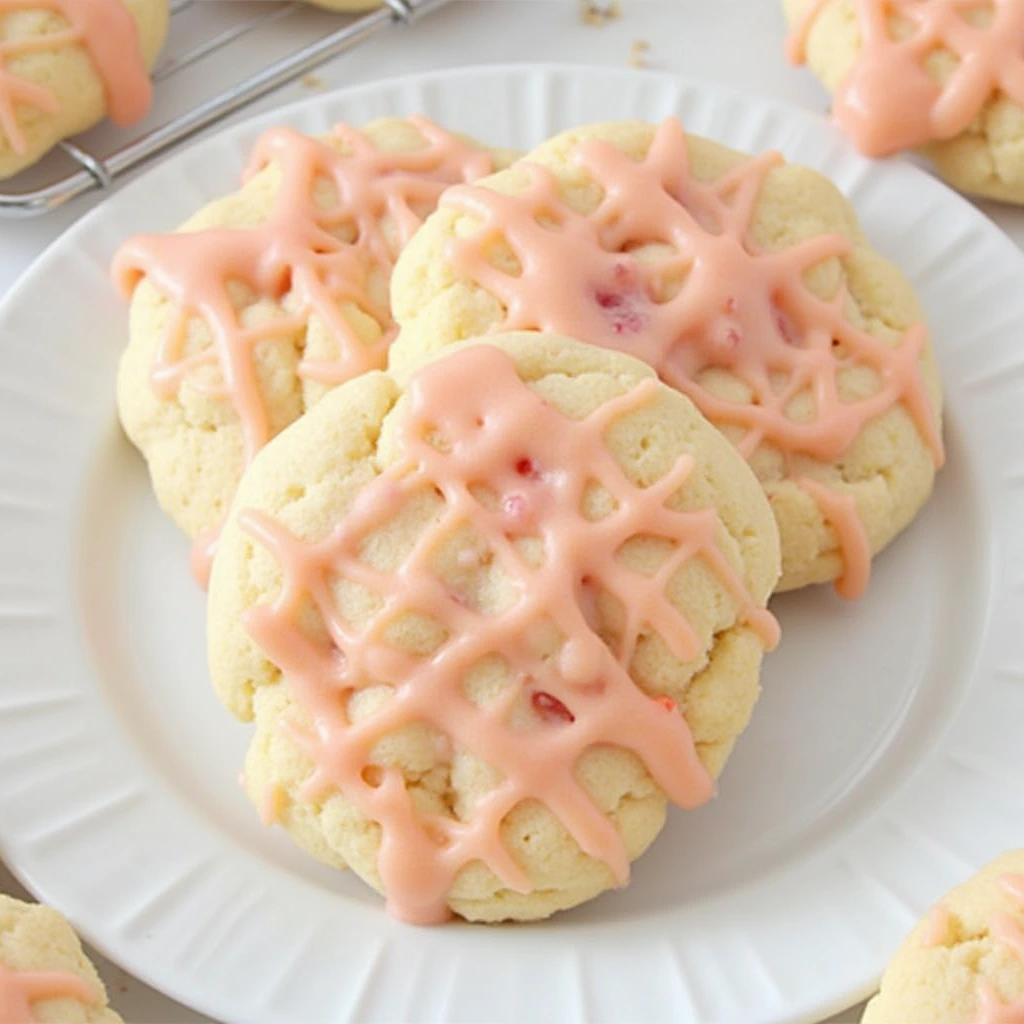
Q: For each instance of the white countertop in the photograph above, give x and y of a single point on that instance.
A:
(733, 42)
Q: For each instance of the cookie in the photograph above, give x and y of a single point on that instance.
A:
(44, 975)
(487, 614)
(65, 64)
(745, 282)
(265, 300)
(964, 963)
(958, 72)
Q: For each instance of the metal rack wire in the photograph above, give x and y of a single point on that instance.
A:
(52, 183)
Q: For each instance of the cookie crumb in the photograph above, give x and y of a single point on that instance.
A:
(638, 53)
(599, 12)
(312, 82)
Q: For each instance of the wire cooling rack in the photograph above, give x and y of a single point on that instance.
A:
(95, 161)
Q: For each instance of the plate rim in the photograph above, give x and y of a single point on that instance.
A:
(100, 934)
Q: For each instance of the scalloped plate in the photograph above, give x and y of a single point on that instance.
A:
(884, 763)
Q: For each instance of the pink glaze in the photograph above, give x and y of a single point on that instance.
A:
(200, 559)
(294, 252)
(1013, 886)
(936, 929)
(501, 436)
(741, 308)
(991, 60)
(109, 35)
(840, 512)
(271, 805)
(20, 989)
(1006, 931)
(991, 1010)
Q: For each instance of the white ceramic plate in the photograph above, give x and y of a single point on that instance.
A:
(884, 763)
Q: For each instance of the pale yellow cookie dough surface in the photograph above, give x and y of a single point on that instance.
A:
(939, 983)
(312, 473)
(987, 159)
(193, 440)
(37, 938)
(67, 71)
(888, 470)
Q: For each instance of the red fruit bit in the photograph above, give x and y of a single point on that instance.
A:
(725, 336)
(629, 322)
(550, 708)
(666, 702)
(623, 273)
(785, 327)
(623, 317)
(526, 467)
(622, 300)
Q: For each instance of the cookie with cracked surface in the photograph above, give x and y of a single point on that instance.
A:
(44, 975)
(266, 299)
(964, 963)
(957, 68)
(65, 64)
(488, 614)
(747, 284)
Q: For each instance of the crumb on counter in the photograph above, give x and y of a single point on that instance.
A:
(599, 12)
(639, 53)
(313, 82)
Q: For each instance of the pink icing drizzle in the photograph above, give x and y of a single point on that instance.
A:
(990, 60)
(740, 307)
(271, 804)
(108, 33)
(1013, 886)
(20, 989)
(295, 250)
(1005, 930)
(936, 927)
(840, 512)
(502, 437)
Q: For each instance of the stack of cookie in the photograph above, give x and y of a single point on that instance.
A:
(498, 462)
